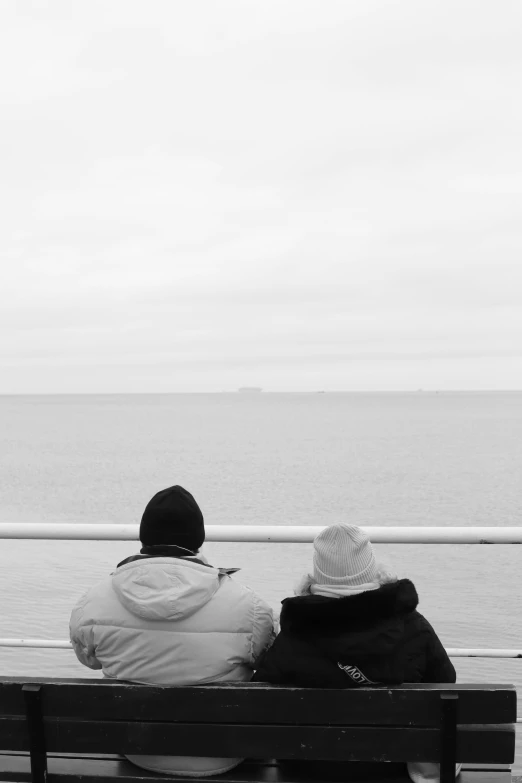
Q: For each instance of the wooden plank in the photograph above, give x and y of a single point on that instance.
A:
(403, 705)
(67, 770)
(480, 744)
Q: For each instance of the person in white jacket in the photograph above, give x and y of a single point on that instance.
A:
(167, 617)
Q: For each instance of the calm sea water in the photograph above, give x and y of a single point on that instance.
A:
(309, 459)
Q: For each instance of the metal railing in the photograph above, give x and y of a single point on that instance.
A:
(280, 534)
(453, 652)
(295, 534)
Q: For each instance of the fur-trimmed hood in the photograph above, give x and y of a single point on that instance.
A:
(314, 614)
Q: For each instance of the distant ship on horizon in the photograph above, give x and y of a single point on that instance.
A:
(250, 389)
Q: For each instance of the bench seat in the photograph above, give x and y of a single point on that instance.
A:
(110, 769)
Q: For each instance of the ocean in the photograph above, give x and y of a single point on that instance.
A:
(416, 459)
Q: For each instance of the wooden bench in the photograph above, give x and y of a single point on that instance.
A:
(64, 729)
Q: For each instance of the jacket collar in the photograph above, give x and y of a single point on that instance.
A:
(316, 612)
(171, 551)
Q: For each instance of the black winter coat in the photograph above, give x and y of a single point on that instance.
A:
(376, 637)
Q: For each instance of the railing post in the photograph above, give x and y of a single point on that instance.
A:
(35, 726)
(448, 737)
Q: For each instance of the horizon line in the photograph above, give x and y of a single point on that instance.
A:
(260, 392)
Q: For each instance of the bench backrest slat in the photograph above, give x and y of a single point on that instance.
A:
(479, 744)
(251, 704)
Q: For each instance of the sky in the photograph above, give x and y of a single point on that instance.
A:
(199, 195)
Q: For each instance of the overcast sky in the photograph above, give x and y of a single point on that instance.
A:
(294, 194)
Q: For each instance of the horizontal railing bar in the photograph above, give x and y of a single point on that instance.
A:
(453, 652)
(463, 652)
(296, 534)
(62, 644)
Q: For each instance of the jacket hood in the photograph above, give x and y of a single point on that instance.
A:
(360, 620)
(163, 588)
(368, 627)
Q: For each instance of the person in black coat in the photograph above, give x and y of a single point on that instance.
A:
(353, 624)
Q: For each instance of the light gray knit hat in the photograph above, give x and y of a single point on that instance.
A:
(343, 555)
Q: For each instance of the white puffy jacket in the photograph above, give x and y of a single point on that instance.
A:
(172, 621)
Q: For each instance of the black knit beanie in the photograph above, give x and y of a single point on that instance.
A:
(173, 517)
